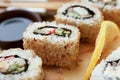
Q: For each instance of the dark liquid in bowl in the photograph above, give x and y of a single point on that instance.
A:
(12, 29)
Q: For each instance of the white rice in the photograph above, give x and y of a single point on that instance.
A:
(108, 69)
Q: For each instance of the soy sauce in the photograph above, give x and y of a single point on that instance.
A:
(12, 29)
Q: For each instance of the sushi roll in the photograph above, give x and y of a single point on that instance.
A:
(18, 64)
(108, 69)
(57, 44)
(110, 9)
(82, 15)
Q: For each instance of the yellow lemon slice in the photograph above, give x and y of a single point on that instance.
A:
(108, 32)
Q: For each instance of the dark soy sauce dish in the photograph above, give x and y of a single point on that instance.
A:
(12, 25)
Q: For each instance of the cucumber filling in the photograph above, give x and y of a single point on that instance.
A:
(13, 64)
(50, 30)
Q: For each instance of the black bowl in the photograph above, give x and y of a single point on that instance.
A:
(12, 26)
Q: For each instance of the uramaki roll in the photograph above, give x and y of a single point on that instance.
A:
(110, 9)
(108, 69)
(82, 15)
(18, 64)
(57, 44)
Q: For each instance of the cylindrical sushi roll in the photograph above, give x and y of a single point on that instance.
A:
(18, 64)
(108, 69)
(82, 15)
(110, 9)
(57, 44)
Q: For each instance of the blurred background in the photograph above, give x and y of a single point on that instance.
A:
(42, 7)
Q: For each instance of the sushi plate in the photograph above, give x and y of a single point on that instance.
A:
(77, 73)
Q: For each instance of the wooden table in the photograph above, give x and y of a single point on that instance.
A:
(49, 5)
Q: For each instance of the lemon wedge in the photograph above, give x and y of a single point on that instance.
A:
(108, 32)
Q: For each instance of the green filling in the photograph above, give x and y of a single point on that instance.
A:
(73, 13)
(60, 32)
(39, 31)
(63, 32)
(15, 68)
